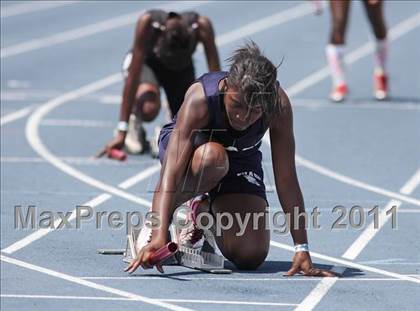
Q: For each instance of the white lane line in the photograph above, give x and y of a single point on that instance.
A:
(92, 203)
(265, 23)
(350, 264)
(325, 285)
(368, 234)
(91, 284)
(140, 176)
(32, 135)
(353, 182)
(394, 33)
(315, 296)
(80, 161)
(44, 231)
(26, 95)
(89, 30)
(412, 184)
(42, 95)
(237, 279)
(364, 238)
(76, 123)
(317, 103)
(16, 115)
(32, 6)
(390, 261)
(364, 50)
(348, 180)
(229, 302)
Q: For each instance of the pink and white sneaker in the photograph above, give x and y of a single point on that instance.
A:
(339, 93)
(192, 236)
(380, 86)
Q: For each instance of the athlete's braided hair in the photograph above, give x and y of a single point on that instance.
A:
(255, 78)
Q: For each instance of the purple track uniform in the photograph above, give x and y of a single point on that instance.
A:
(245, 173)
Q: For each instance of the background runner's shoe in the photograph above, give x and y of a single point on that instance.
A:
(381, 86)
(135, 141)
(339, 93)
(154, 146)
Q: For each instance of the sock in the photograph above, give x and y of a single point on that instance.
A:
(381, 54)
(335, 55)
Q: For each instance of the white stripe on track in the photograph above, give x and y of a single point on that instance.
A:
(91, 284)
(16, 115)
(44, 231)
(229, 302)
(351, 264)
(32, 135)
(239, 279)
(396, 32)
(79, 161)
(32, 6)
(92, 203)
(77, 123)
(364, 50)
(90, 30)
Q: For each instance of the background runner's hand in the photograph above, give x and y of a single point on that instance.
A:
(302, 263)
(143, 256)
(116, 143)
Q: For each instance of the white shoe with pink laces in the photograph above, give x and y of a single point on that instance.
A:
(192, 236)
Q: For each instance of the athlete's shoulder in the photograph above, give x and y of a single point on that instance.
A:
(211, 80)
(284, 104)
(283, 116)
(195, 106)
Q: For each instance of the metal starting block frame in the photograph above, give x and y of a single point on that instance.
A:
(193, 258)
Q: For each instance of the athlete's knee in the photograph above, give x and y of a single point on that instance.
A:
(147, 102)
(211, 159)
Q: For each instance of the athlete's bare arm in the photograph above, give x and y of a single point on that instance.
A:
(287, 184)
(131, 82)
(192, 116)
(141, 34)
(206, 36)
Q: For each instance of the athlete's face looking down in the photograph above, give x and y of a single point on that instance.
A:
(240, 115)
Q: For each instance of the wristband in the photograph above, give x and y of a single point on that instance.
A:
(122, 126)
(302, 247)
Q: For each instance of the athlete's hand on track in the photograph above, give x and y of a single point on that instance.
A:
(142, 258)
(302, 263)
(116, 143)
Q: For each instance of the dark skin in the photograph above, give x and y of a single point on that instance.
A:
(339, 15)
(182, 166)
(133, 90)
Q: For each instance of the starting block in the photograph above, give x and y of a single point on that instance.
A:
(204, 258)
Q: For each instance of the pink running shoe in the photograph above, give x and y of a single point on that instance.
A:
(192, 235)
(381, 86)
(339, 93)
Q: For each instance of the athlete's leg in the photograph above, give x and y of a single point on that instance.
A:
(147, 104)
(339, 16)
(146, 107)
(376, 17)
(176, 84)
(335, 48)
(245, 244)
(209, 164)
